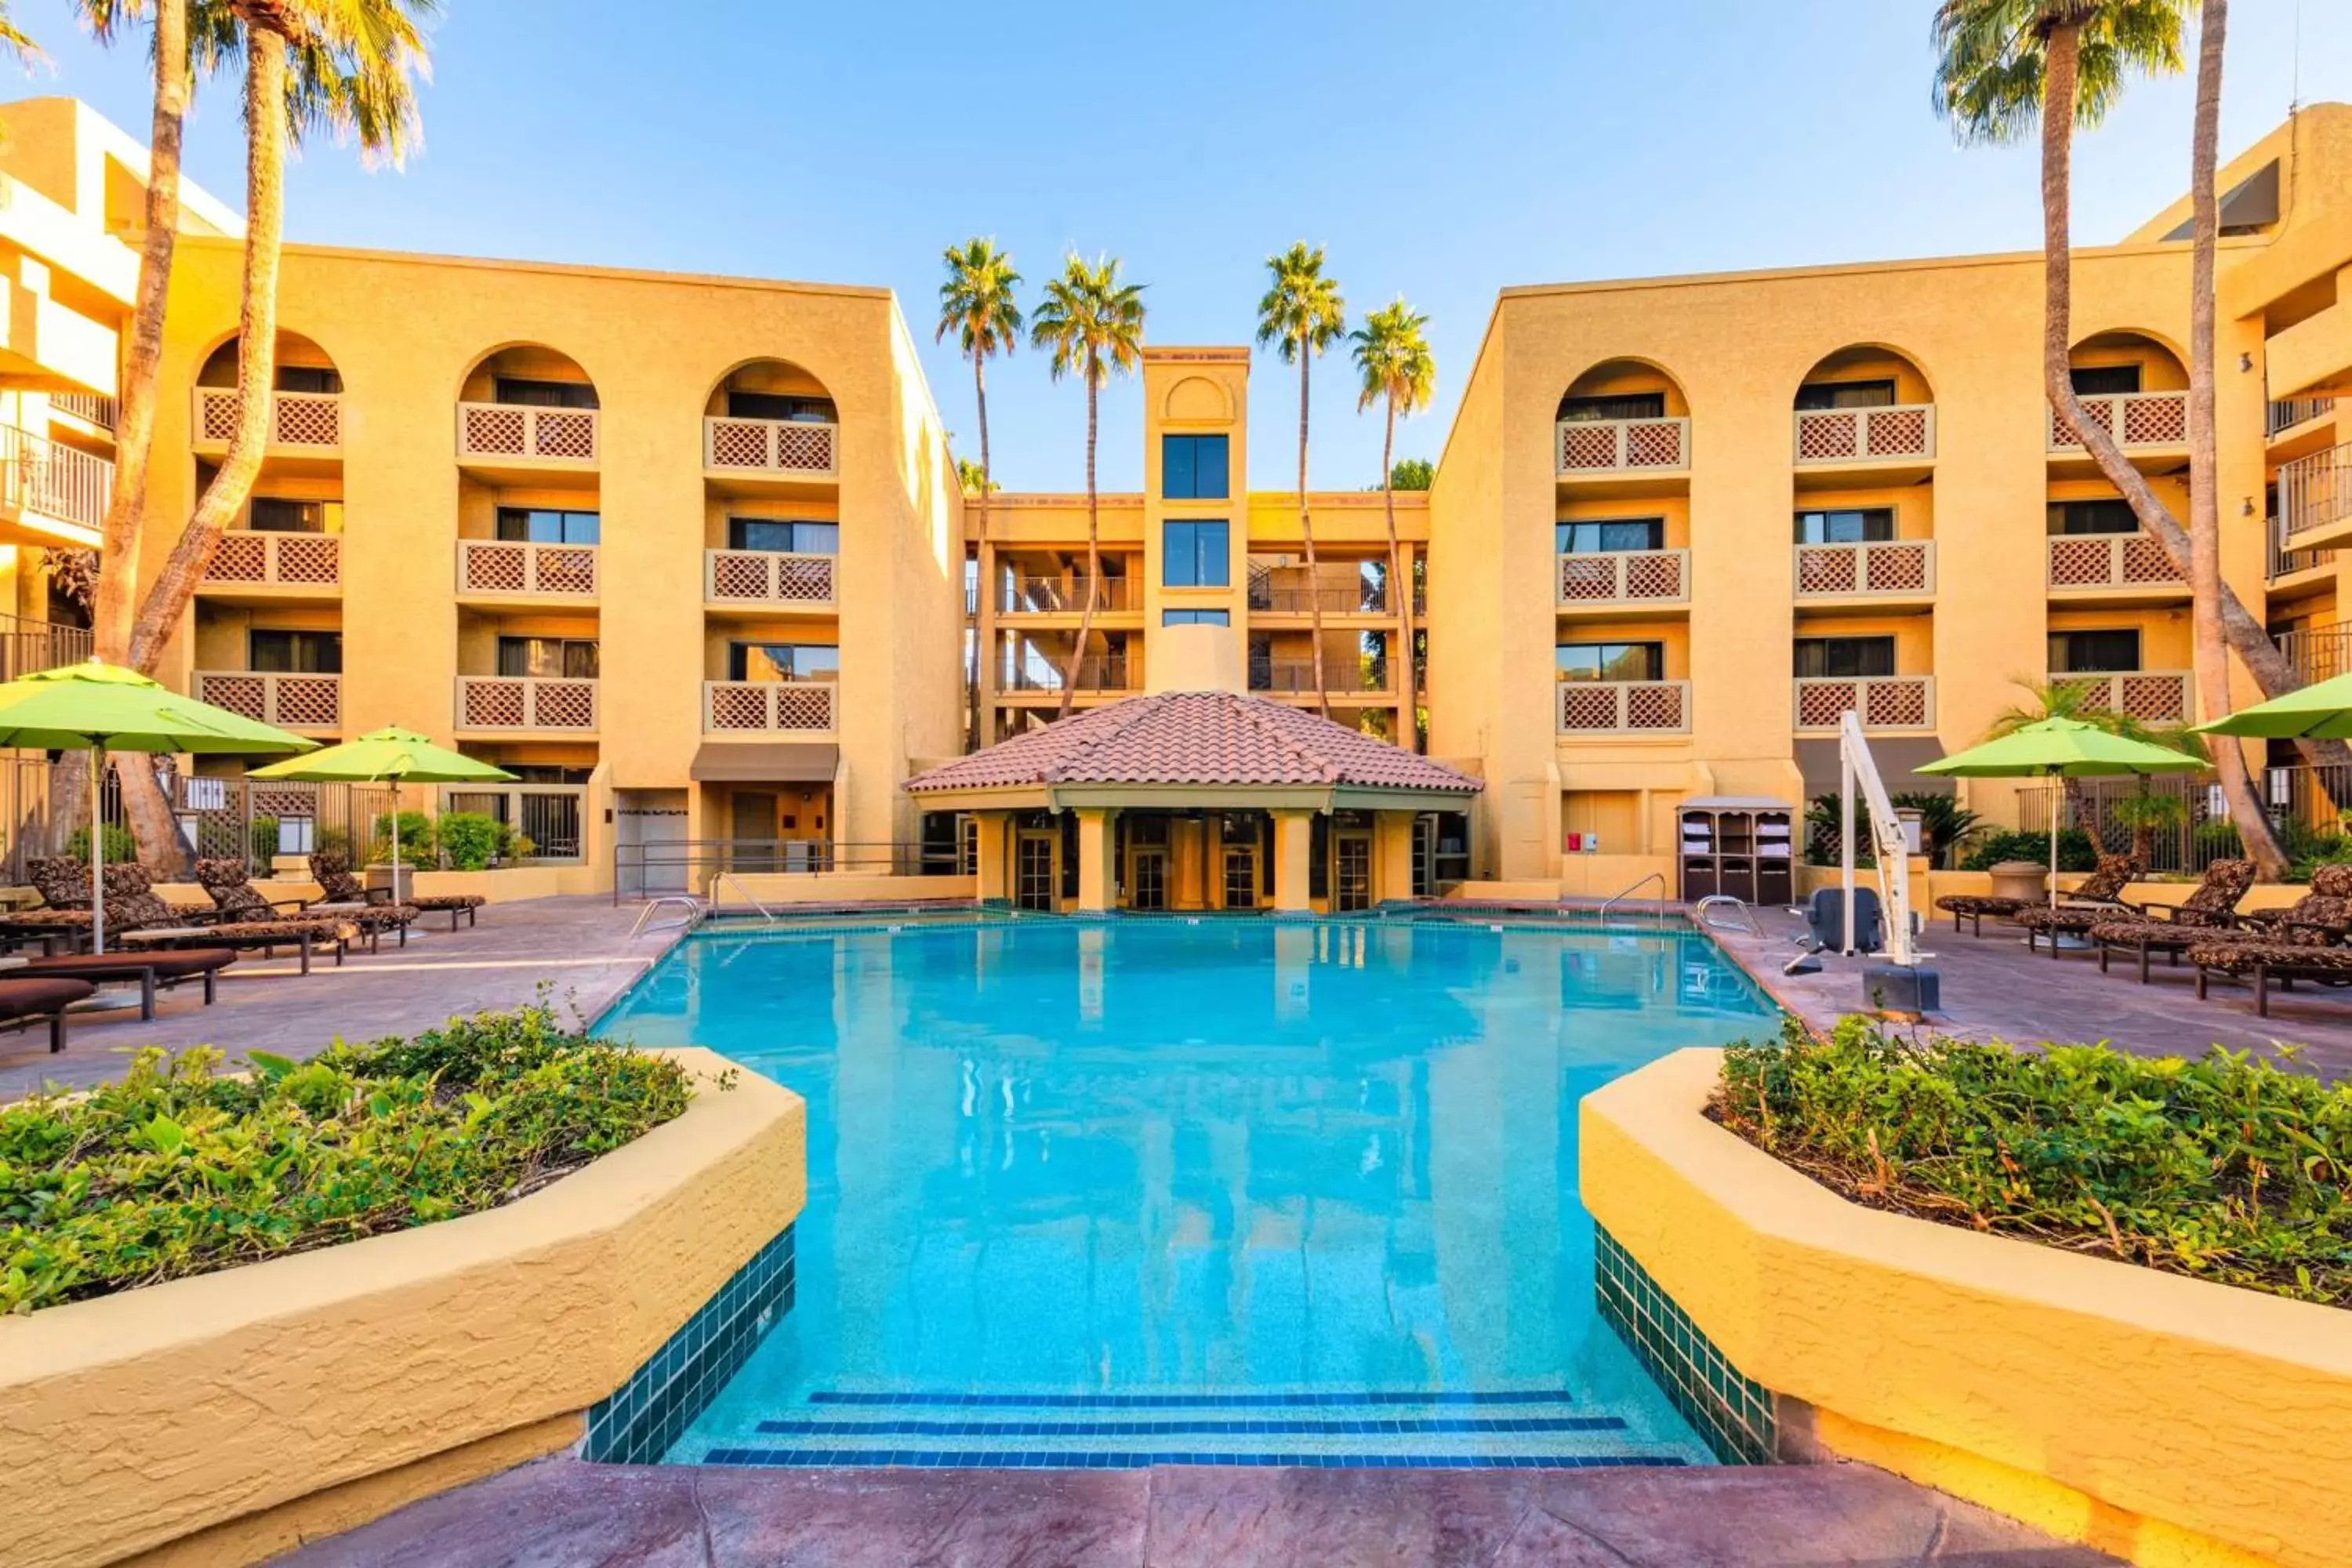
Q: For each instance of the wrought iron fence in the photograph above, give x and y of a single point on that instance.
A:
(2319, 653)
(43, 803)
(2306, 806)
(692, 865)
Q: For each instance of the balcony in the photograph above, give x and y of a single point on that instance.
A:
(1347, 676)
(1097, 672)
(2151, 696)
(1659, 708)
(2314, 498)
(1883, 701)
(1057, 596)
(90, 408)
(1602, 448)
(771, 450)
(275, 566)
(1358, 599)
(301, 423)
(1615, 577)
(26, 646)
(2106, 562)
(513, 569)
(1899, 434)
(768, 707)
(2139, 421)
(521, 444)
(2319, 653)
(2285, 414)
(527, 704)
(2284, 560)
(54, 493)
(305, 702)
(1878, 569)
(767, 580)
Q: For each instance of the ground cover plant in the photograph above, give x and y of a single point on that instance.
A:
(183, 1168)
(2228, 1169)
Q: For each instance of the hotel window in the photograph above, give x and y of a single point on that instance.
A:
(535, 393)
(1193, 554)
(1601, 538)
(784, 536)
(795, 410)
(1193, 468)
(1815, 395)
(276, 514)
(1610, 660)
(1621, 405)
(295, 653)
(2090, 653)
(2103, 380)
(2114, 515)
(1844, 658)
(1196, 617)
(783, 661)
(547, 525)
(567, 658)
(1852, 525)
(316, 378)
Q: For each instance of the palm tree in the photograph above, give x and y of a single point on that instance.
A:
(1302, 314)
(1392, 357)
(14, 43)
(2004, 68)
(346, 66)
(976, 304)
(1093, 323)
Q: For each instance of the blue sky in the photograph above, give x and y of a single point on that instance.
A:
(1442, 152)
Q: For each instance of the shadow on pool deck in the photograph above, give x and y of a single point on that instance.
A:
(578, 946)
(1992, 988)
(556, 1512)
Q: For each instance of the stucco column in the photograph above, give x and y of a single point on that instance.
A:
(994, 854)
(984, 665)
(1391, 854)
(1293, 839)
(1094, 859)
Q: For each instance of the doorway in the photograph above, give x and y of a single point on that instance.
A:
(1351, 881)
(1033, 870)
(1150, 885)
(1241, 877)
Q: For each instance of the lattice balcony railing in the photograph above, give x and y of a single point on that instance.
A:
(308, 421)
(1623, 446)
(782, 447)
(1866, 435)
(1883, 701)
(526, 702)
(1625, 577)
(1886, 566)
(767, 577)
(270, 560)
(60, 482)
(2137, 420)
(2111, 561)
(516, 430)
(2151, 696)
(768, 707)
(306, 702)
(515, 566)
(1624, 708)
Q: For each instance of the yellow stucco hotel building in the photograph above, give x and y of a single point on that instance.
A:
(688, 554)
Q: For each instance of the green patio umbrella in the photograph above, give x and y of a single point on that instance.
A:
(2062, 747)
(2321, 712)
(99, 707)
(386, 756)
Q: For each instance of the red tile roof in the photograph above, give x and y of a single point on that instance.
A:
(1195, 738)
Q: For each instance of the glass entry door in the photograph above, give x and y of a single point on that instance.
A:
(1241, 877)
(1351, 882)
(1033, 871)
(1150, 880)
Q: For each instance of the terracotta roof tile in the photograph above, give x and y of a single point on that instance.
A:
(1195, 738)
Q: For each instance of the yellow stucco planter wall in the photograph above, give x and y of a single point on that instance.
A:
(247, 1408)
(2165, 1420)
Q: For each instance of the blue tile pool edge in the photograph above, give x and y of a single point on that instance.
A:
(1736, 1416)
(638, 1422)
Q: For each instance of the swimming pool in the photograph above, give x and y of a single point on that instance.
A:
(1102, 1194)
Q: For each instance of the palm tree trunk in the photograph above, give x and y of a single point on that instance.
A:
(2212, 656)
(2246, 635)
(1306, 532)
(979, 654)
(1094, 559)
(138, 390)
(1398, 587)
(166, 604)
(2087, 819)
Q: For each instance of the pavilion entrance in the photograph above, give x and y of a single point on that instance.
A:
(1193, 861)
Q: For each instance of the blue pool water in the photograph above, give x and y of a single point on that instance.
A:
(1225, 1188)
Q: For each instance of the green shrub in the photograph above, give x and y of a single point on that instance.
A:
(331, 841)
(2074, 851)
(121, 849)
(470, 838)
(416, 839)
(263, 839)
(180, 1170)
(2225, 1169)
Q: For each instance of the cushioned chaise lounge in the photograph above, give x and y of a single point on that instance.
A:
(2096, 899)
(23, 1002)
(2319, 920)
(1974, 907)
(247, 919)
(153, 970)
(2209, 908)
(64, 915)
(2263, 961)
(346, 898)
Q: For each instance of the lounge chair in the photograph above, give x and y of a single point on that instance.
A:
(1974, 907)
(153, 970)
(2320, 919)
(345, 896)
(63, 917)
(23, 1002)
(2098, 898)
(2263, 961)
(247, 919)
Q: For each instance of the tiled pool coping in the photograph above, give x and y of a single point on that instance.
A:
(1736, 1414)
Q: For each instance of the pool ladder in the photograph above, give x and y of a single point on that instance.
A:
(1703, 911)
(1622, 895)
(697, 911)
(724, 878)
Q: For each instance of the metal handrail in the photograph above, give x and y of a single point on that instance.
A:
(765, 913)
(1699, 910)
(696, 911)
(1617, 897)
